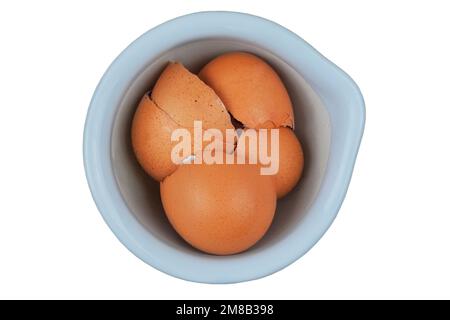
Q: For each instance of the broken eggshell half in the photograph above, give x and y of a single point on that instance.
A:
(177, 100)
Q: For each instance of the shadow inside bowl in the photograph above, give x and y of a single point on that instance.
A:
(141, 193)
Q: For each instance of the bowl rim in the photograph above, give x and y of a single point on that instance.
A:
(99, 169)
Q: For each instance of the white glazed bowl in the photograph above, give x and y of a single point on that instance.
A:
(330, 115)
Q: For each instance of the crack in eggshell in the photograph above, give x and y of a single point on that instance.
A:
(229, 147)
(152, 145)
(150, 136)
(288, 122)
(148, 94)
(186, 98)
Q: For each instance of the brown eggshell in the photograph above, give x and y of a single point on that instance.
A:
(178, 98)
(250, 89)
(185, 98)
(291, 159)
(151, 139)
(219, 209)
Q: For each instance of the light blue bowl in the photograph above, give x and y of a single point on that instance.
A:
(330, 117)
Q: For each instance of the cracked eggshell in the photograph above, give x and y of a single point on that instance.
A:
(250, 89)
(220, 208)
(185, 98)
(151, 132)
(178, 98)
(290, 163)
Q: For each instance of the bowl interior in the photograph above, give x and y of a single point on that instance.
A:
(141, 193)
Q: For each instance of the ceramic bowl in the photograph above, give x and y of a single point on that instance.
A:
(329, 113)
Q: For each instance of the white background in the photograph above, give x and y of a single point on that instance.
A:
(392, 236)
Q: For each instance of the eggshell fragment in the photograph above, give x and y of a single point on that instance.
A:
(250, 89)
(151, 139)
(185, 98)
(219, 209)
(177, 100)
(291, 159)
